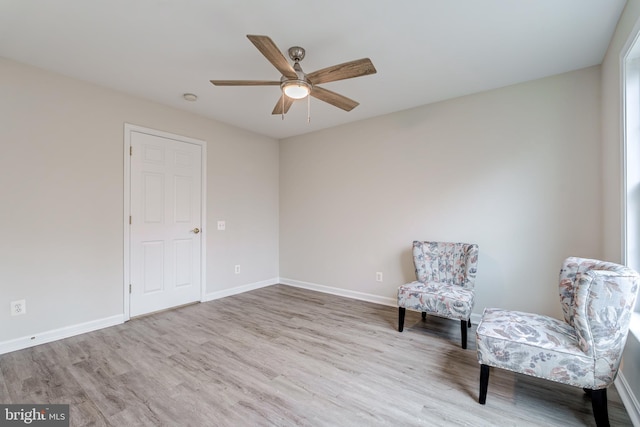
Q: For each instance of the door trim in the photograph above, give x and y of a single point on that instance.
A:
(128, 129)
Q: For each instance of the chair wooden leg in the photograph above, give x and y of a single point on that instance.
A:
(424, 315)
(599, 405)
(401, 311)
(484, 383)
(463, 330)
(469, 322)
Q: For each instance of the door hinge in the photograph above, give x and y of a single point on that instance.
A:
(131, 150)
(129, 219)
(129, 287)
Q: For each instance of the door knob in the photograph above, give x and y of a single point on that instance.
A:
(196, 230)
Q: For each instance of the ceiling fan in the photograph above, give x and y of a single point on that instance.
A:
(296, 84)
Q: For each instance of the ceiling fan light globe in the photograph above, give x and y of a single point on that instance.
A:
(296, 90)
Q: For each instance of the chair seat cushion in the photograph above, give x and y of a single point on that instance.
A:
(450, 301)
(535, 345)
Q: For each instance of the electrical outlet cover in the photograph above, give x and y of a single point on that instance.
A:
(18, 307)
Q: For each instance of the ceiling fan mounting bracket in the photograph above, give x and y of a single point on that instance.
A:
(296, 53)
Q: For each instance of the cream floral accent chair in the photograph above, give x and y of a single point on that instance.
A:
(446, 274)
(583, 350)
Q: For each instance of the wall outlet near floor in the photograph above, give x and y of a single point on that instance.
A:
(237, 269)
(18, 307)
(222, 225)
(378, 277)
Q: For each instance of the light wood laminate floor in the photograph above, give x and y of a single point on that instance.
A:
(284, 356)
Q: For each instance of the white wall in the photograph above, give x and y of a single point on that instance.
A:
(61, 198)
(516, 170)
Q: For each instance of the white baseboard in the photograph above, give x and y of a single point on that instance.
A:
(69, 331)
(73, 330)
(392, 302)
(475, 318)
(58, 334)
(239, 289)
(340, 292)
(628, 399)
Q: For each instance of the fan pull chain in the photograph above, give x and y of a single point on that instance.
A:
(282, 97)
(308, 109)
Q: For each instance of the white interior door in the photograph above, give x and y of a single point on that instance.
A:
(165, 222)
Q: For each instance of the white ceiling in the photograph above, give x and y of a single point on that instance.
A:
(424, 50)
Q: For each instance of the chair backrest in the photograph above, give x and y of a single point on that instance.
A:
(445, 262)
(598, 298)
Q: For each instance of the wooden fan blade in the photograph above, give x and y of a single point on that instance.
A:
(244, 83)
(268, 48)
(348, 70)
(288, 102)
(333, 98)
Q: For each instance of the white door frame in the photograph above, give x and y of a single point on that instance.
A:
(128, 129)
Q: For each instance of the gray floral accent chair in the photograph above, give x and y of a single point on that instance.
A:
(446, 275)
(583, 349)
